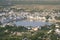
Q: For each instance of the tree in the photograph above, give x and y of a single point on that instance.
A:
(47, 16)
(0, 23)
(21, 29)
(57, 18)
(37, 35)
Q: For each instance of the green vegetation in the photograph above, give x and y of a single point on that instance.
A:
(57, 18)
(21, 32)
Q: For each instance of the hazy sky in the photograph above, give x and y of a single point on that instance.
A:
(34, 0)
(30, 1)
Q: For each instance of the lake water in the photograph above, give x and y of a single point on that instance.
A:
(31, 23)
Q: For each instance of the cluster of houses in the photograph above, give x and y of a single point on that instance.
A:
(8, 16)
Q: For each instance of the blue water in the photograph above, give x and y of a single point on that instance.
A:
(31, 23)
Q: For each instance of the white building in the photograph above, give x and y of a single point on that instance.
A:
(57, 31)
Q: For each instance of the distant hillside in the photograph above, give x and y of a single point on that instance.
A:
(40, 2)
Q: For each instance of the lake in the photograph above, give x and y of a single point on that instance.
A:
(31, 23)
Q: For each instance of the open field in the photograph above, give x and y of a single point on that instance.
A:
(33, 6)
